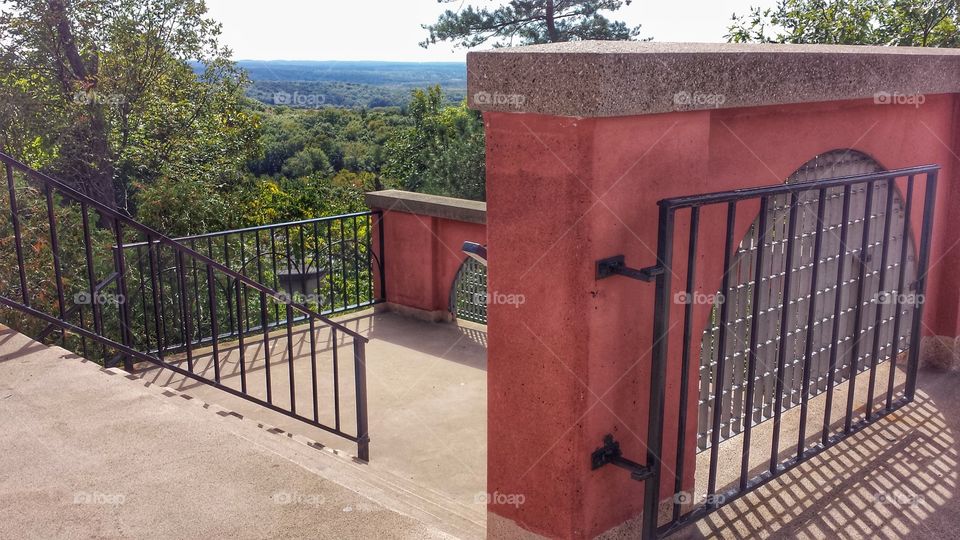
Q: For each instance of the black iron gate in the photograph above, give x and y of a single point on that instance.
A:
(856, 310)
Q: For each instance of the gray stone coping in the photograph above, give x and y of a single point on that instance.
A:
(624, 78)
(428, 205)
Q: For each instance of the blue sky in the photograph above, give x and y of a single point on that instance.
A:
(390, 29)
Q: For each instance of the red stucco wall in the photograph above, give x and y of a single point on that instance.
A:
(422, 255)
(572, 363)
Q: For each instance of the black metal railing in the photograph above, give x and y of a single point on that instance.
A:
(68, 264)
(328, 264)
(834, 290)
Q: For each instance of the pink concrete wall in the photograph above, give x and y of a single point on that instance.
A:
(422, 256)
(572, 363)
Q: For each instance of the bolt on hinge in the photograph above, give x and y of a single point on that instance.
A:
(610, 454)
(616, 265)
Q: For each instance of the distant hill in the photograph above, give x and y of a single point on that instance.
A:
(349, 84)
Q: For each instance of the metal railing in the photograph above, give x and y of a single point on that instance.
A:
(328, 264)
(848, 303)
(859, 258)
(66, 263)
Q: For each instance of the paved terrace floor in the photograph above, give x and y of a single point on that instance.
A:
(89, 453)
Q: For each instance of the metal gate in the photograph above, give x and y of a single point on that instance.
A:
(468, 295)
(825, 286)
(772, 305)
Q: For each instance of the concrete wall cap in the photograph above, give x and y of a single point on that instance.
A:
(626, 78)
(428, 205)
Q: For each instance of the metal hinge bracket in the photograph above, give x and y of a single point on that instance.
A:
(610, 454)
(616, 266)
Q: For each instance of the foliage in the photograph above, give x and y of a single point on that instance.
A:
(442, 152)
(530, 22)
(102, 94)
(921, 23)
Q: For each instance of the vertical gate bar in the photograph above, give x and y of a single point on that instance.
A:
(360, 382)
(878, 319)
(721, 348)
(382, 262)
(923, 260)
(658, 371)
(273, 259)
(185, 307)
(784, 326)
(368, 244)
(837, 307)
(152, 265)
(293, 386)
(752, 359)
(143, 293)
(685, 357)
(227, 293)
(316, 266)
(266, 341)
(17, 239)
(901, 279)
(214, 327)
(811, 320)
(858, 314)
(196, 292)
(356, 264)
(313, 367)
(124, 311)
(246, 295)
(329, 261)
(55, 249)
(91, 273)
(240, 331)
(336, 377)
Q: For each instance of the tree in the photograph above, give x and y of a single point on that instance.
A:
(442, 152)
(105, 94)
(530, 22)
(922, 23)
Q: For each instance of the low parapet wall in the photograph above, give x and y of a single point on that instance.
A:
(422, 237)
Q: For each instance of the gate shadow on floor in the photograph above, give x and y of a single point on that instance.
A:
(896, 478)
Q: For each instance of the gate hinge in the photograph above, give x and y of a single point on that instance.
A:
(616, 265)
(610, 453)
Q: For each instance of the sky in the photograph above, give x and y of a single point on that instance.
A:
(391, 29)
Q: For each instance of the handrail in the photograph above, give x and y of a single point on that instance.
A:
(165, 240)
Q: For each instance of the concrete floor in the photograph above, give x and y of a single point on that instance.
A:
(426, 388)
(897, 478)
(87, 453)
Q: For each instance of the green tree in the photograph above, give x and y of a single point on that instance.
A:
(921, 23)
(105, 94)
(530, 22)
(442, 152)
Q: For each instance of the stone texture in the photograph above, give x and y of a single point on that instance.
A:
(595, 78)
(428, 205)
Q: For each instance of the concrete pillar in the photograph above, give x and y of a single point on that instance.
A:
(583, 139)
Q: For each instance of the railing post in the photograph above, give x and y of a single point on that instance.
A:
(923, 261)
(658, 371)
(360, 380)
(17, 240)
